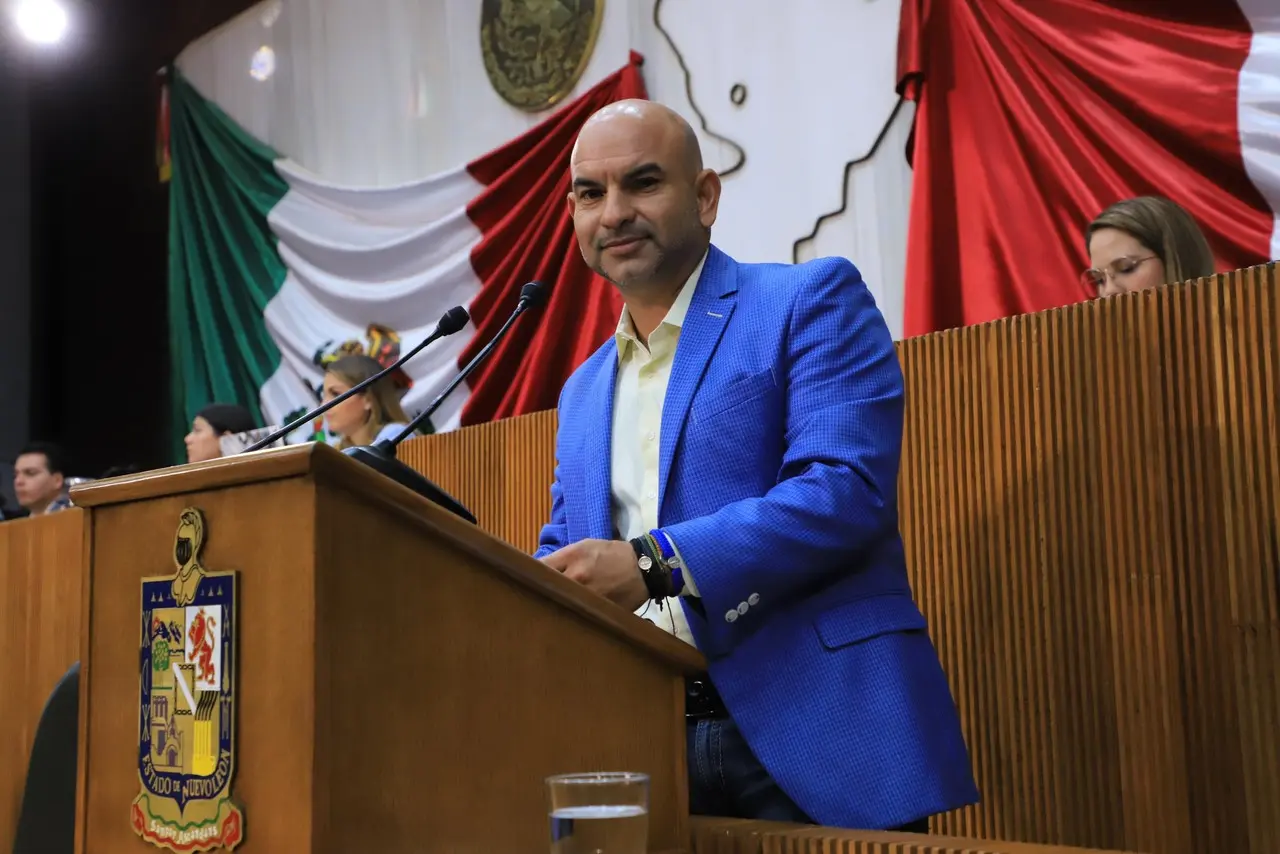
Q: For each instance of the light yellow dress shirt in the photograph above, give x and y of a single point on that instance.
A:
(641, 388)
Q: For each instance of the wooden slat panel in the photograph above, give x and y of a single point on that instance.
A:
(735, 836)
(500, 471)
(1090, 503)
(1249, 373)
(1198, 540)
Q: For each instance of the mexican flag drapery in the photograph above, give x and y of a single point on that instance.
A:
(1032, 117)
(272, 267)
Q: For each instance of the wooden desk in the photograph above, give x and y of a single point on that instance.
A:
(42, 569)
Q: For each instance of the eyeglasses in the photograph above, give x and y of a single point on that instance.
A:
(1096, 278)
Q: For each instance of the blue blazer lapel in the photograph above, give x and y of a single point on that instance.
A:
(596, 430)
(709, 311)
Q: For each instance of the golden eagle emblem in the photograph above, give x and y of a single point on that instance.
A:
(535, 50)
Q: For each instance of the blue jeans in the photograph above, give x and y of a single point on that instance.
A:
(726, 779)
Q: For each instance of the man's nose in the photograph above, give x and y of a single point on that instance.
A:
(618, 211)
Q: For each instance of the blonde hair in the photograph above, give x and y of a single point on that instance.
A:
(1166, 230)
(384, 394)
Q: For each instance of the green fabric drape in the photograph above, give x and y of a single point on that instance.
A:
(223, 264)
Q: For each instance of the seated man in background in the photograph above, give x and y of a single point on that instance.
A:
(39, 476)
(1144, 243)
(727, 466)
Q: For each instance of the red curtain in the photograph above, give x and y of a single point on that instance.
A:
(528, 236)
(1034, 116)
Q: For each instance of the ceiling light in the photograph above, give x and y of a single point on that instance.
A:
(41, 21)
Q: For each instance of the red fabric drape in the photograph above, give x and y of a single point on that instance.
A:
(1033, 117)
(528, 236)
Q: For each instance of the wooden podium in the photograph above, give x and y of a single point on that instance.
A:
(402, 681)
(42, 569)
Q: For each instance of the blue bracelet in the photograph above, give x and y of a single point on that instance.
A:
(664, 543)
(669, 559)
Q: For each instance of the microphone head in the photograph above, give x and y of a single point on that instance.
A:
(531, 293)
(453, 320)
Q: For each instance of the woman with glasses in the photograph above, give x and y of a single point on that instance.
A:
(1144, 243)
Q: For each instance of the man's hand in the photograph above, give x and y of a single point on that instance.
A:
(606, 567)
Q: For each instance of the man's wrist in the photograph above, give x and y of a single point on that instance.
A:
(671, 558)
(657, 578)
(658, 564)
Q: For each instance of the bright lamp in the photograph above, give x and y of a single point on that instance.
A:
(41, 21)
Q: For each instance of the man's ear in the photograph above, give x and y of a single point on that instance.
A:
(59, 480)
(572, 203)
(707, 186)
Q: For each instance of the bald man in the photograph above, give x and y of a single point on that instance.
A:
(727, 466)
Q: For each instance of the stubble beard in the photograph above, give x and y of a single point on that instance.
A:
(656, 276)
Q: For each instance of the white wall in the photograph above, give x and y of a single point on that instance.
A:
(383, 92)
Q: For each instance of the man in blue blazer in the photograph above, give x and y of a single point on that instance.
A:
(727, 466)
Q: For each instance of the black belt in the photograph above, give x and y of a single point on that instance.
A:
(701, 699)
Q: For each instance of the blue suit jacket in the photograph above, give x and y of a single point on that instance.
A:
(781, 436)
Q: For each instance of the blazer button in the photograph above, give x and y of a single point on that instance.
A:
(753, 599)
(730, 616)
(742, 607)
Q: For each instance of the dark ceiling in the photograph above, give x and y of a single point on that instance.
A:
(175, 23)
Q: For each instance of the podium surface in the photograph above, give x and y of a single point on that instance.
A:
(400, 680)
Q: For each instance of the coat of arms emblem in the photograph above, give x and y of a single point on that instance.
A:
(535, 50)
(186, 722)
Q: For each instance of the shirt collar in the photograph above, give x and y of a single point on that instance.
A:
(625, 335)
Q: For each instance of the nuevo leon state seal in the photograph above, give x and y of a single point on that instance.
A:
(535, 50)
(186, 720)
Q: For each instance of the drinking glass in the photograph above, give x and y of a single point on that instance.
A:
(601, 813)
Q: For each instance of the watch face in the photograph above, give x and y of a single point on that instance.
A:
(646, 563)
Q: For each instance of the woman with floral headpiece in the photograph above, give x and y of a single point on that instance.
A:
(374, 414)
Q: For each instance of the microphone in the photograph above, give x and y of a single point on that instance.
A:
(382, 456)
(450, 322)
(530, 295)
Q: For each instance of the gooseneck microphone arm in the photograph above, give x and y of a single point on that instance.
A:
(381, 457)
(450, 322)
(527, 299)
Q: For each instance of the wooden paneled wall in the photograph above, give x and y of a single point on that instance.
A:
(736, 836)
(42, 568)
(1090, 499)
(501, 471)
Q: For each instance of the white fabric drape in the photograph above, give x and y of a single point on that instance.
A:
(1259, 106)
(399, 256)
(378, 93)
